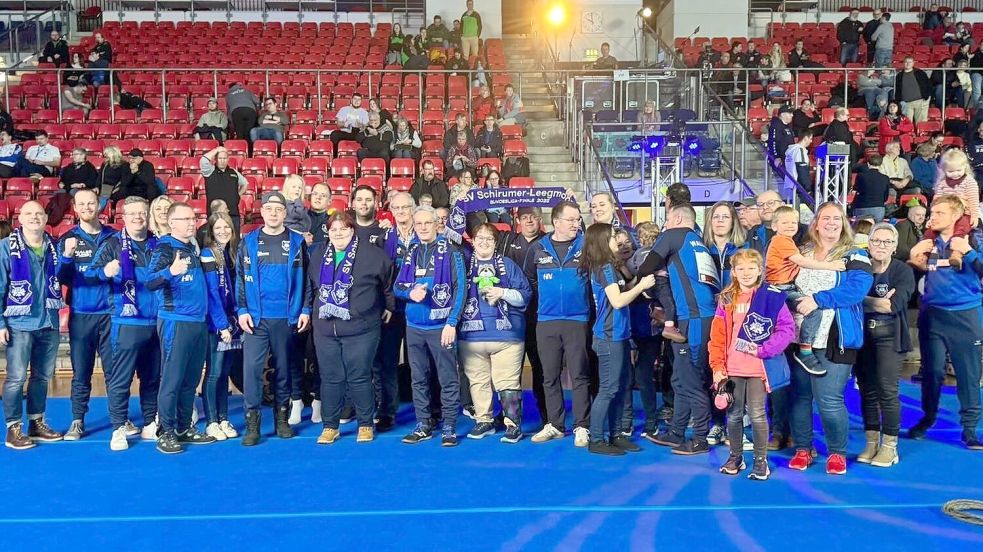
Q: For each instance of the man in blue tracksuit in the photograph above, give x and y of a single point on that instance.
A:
(31, 293)
(432, 281)
(552, 264)
(694, 283)
(270, 297)
(949, 321)
(123, 261)
(89, 323)
(178, 279)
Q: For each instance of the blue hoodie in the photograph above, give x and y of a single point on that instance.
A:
(146, 300)
(418, 314)
(514, 279)
(847, 299)
(89, 294)
(950, 289)
(564, 293)
(248, 284)
(183, 298)
(221, 309)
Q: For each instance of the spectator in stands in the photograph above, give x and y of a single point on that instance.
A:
(708, 57)
(242, 105)
(102, 47)
(895, 167)
(886, 340)
(74, 97)
(99, 76)
(747, 213)
(376, 139)
(913, 88)
(29, 325)
(272, 125)
(848, 32)
(605, 62)
(457, 64)
(869, 28)
(932, 18)
(944, 82)
(80, 174)
(949, 319)
(737, 52)
(6, 121)
(830, 239)
(428, 184)
(488, 139)
(417, 60)
(470, 31)
(454, 36)
(965, 52)
(222, 182)
(752, 57)
(396, 54)
(649, 118)
(158, 215)
(484, 104)
(422, 42)
(438, 32)
(10, 153)
(925, 167)
(111, 172)
(964, 92)
(56, 50)
(406, 142)
(976, 76)
(510, 109)
(462, 156)
(872, 190)
(40, 160)
(876, 88)
(498, 214)
(807, 118)
(75, 75)
(838, 132)
(797, 163)
(460, 126)
(780, 137)
(138, 179)
(910, 231)
(799, 57)
(956, 34)
(894, 125)
(351, 120)
(883, 39)
(974, 149)
(296, 220)
(212, 123)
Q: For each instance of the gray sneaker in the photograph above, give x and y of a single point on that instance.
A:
(760, 471)
(75, 431)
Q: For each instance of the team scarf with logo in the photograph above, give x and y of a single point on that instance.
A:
(760, 320)
(439, 294)
(128, 271)
(336, 281)
(224, 291)
(20, 293)
(472, 313)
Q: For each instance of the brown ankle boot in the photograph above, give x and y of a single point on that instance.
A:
(873, 440)
(673, 334)
(39, 431)
(16, 438)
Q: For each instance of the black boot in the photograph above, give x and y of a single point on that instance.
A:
(512, 410)
(283, 429)
(251, 437)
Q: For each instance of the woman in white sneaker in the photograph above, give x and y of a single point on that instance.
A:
(225, 347)
(492, 335)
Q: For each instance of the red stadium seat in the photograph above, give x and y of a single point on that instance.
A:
(373, 167)
(402, 167)
(344, 167)
(285, 167)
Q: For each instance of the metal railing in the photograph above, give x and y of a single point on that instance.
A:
(26, 34)
(900, 5)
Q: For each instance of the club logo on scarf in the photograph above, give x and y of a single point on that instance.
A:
(471, 310)
(20, 291)
(457, 218)
(757, 327)
(130, 290)
(339, 292)
(442, 295)
(53, 286)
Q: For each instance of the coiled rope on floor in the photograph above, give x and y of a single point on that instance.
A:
(963, 510)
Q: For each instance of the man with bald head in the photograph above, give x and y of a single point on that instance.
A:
(29, 325)
(761, 234)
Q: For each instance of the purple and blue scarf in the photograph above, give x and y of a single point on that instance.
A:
(336, 280)
(472, 313)
(439, 294)
(128, 271)
(760, 320)
(225, 290)
(20, 295)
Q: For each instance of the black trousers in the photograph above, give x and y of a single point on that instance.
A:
(243, 120)
(537, 366)
(878, 368)
(564, 343)
(338, 136)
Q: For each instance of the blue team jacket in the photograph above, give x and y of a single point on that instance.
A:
(847, 298)
(247, 278)
(950, 289)
(515, 279)
(89, 294)
(564, 293)
(40, 316)
(221, 308)
(146, 300)
(183, 298)
(418, 314)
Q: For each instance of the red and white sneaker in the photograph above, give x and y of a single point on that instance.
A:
(836, 464)
(801, 461)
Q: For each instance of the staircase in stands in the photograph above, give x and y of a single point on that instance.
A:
(550, 159)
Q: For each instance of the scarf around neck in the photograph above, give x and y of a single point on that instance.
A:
(472, 313)
(439, 294)
(20, 294)
(128, 271)
(760, 320)
(336, 281)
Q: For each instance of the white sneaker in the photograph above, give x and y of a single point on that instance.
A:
(296, 407)
(315, 411)
(716, 435)
(228, 429)
(581, 437)
(131, 429)
(548, 433)
(747, 444)
(213, 430)
(118, 442)
(149, 431)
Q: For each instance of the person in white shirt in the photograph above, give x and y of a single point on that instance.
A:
(9, 154)
(797, 162)
(351, 119)
(41, 159)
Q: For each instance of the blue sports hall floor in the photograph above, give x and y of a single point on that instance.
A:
(482, 495)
